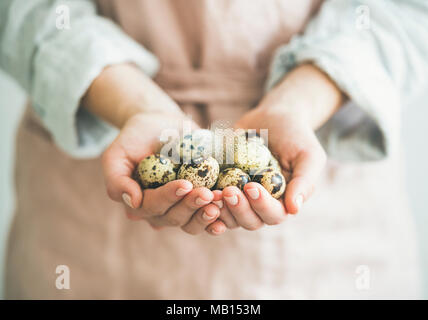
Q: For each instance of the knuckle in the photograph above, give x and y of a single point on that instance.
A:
(275, 221)
(145, 215)
(191, 206)
(200, 219)
(253, 227)
(155, 211)
(204, 222)
(174, 222)
(192, 232)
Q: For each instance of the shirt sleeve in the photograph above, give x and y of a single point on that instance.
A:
(55, 49)
(377, 53)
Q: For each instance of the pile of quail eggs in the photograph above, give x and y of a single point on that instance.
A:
(215, 162)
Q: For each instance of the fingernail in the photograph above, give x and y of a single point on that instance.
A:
(219, 203)
(206, 216)
(216, 231)
(127, 199)
(181, 192)
(233, 200)
(253, 193)
(201, 202)
(299, 201)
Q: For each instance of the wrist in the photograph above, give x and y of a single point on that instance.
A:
(306, 94)
(130, 110)
(122, 91)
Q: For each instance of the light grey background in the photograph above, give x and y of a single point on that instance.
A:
(415, 136)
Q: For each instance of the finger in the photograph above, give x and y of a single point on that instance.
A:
(296, 193)
(131, 215)
(202, 219)
(270, 210)
(126, 190)
(117, 171)
(218, 198)
(153, 226)
(216, 228)
(157, 201)
(225, 214)
(180, 213)
(240, 208)
(306, 170)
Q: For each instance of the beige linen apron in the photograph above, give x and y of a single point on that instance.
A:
(354, 238)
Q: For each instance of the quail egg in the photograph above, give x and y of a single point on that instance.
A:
(224, 147)
(272, 180)
(232, 177)
(251, 156)
(195, 145)
(176, 167)
(251, 135)
(242, 149)
(201, 172)
(136, 176)
(155, 170)
(274, 163)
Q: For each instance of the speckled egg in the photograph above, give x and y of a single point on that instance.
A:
(232, 177)
(274, 163)
(136, 176)
(252, 135)
(176, 166)
(195, 145)
(201, 172)
(252, 156)
(224, 147)
(241, 149)
(155, 171)
(272, 180)
(168, 150)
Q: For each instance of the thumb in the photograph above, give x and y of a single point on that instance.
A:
(308, 167)
(118, 169)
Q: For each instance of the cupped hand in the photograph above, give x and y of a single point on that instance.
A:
(299, 104)
(176, 203)
(294, 144)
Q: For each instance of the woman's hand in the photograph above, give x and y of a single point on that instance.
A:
(131, 101)
(302, 158)
(302, 102)
(294, 144)
(174, 204)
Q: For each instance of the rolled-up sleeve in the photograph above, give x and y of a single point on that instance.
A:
(56, 64)
(376, 51)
